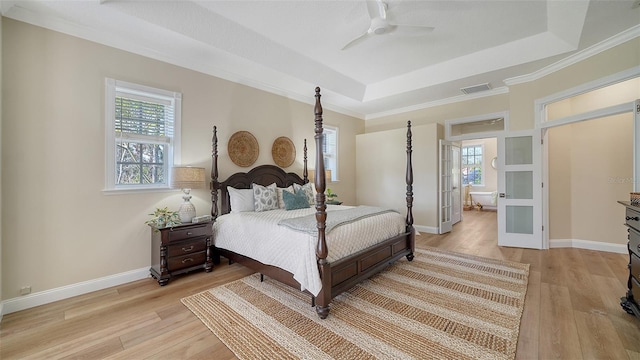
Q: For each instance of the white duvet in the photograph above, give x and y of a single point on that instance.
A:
(258, 236)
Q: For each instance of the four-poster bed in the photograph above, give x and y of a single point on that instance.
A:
(379, 244)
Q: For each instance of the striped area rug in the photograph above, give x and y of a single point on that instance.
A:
(441, 305)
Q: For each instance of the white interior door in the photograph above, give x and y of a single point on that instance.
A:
(520, 189)
(456, 183)
(446, 186)
(449, 184)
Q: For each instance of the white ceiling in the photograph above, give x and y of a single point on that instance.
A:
(288, 47)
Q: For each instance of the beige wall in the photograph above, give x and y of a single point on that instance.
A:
(381, 168)
(590, 168)
(59, 227)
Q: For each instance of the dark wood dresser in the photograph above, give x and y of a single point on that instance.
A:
(180, 249)
(632, 219)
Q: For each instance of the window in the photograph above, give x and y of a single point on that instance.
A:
(330, 150)
(472, 165)
(142, 135)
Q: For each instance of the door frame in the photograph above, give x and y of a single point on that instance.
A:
(543, 124)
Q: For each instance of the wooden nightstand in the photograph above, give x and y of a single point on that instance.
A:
(180, 249)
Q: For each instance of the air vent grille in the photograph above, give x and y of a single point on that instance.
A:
(476, 88)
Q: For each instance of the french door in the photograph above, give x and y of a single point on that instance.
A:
(450, 198)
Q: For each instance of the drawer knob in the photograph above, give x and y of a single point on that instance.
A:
(189, 233)
(184, 261)
(634, 218)
(187, 249)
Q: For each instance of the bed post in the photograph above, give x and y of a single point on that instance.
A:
(409, 179)
(214, 174)
(324, 297)
(305, 172)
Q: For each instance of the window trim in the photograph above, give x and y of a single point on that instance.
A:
(173, 156)
(334, 173)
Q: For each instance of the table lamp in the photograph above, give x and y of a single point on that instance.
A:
(187, 178)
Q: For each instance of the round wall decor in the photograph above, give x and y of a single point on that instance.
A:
(283, 151)
(243, 148)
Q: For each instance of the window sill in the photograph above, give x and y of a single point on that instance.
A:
(136, 191)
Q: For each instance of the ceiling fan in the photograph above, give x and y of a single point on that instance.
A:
(381, 26)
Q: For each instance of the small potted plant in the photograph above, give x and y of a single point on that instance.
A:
(164, 218)
(331, 196)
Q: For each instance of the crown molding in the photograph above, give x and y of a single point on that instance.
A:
(573, 59)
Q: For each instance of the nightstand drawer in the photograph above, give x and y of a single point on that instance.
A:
(634, 241)
(632, 218)
(635, 266)
(185, 261)
(191, 232)
(188, 247)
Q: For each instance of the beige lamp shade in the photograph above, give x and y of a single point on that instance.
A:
(327, 174)
(187, 177)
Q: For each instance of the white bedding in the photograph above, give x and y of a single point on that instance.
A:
(258, 236)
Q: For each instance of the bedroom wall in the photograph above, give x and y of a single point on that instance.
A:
(590, 167)
(387, 172)
(60, 228)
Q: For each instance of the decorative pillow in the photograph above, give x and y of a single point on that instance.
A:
(280, 198)
(265, 197)
(297, 200)
(241, 199)
(309, 190)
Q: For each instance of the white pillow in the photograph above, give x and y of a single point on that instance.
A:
(241, 199)
(281, 195)
(265, 197)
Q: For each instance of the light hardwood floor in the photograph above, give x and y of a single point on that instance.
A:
(571, 311)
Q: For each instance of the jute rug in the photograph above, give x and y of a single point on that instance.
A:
(440, 305)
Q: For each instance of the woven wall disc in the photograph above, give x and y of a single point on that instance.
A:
(283, 151)
(243, 148)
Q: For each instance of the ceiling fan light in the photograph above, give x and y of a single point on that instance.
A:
(379, 31)
(378, 26)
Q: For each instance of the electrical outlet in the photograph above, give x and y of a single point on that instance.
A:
(25, 290)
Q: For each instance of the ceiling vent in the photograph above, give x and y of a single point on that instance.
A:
(476, 88)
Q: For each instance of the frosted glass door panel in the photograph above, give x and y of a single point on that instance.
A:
(520, 189)
(519, 184)
(519, 219)
(518, 151)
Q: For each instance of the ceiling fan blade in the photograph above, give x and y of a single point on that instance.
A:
(415, 30)
(356, 41)
(377, 9)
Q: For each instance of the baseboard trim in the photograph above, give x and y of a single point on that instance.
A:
(426, 229)
(48, 296)
(589, 245)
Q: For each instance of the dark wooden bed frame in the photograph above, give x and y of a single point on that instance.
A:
(339, 275)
